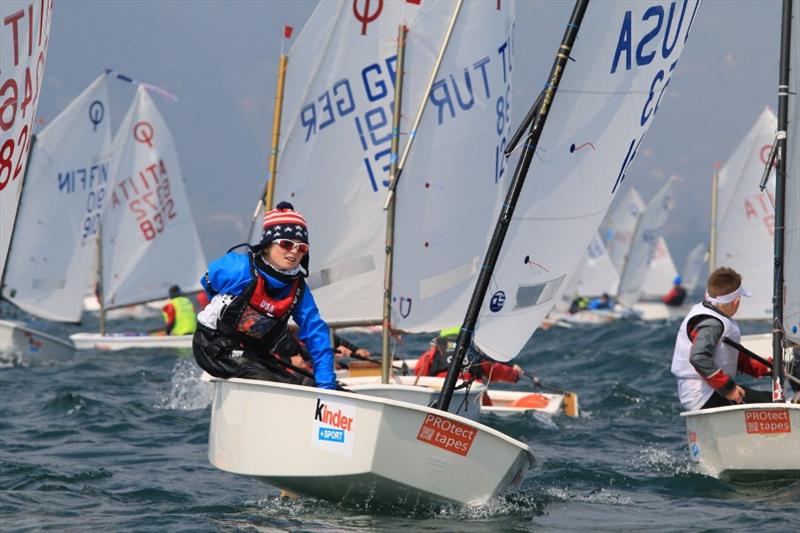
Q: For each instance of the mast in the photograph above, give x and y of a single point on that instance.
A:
(626, 265)
(99, 290)
(507, 212)
(266, 198)
(780, 204)
(386, 362)
(396, 170)
(712, 243)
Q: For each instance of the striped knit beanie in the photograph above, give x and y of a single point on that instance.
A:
(284, 222)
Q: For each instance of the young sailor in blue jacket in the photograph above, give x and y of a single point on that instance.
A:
(253, 295)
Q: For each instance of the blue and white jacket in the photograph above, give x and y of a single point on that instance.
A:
(230, 275)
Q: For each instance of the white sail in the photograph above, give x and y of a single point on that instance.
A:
(661, 274)
(52, 258)
(644, 245)
(746, 218)
(693, 269)
(149, 238)
(597, 275)
(618, 227)
(452, 179)
(623, 58)
(24, 38)
(791, 252)
(334, 159)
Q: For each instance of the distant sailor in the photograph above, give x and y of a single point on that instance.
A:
(603, 302)
(436, 362)
(676, 296)
(253, 295)
(179, 314)
(703, 364)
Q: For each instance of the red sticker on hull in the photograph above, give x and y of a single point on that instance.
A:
(768, 421)
(447, 434)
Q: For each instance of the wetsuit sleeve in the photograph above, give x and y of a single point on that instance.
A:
(751, 366)
(705, 336)
(230, 274)
(315, 334)
(503, 372)
(423, 366)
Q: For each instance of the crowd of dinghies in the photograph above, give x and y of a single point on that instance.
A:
(96, 237)
(349, 444)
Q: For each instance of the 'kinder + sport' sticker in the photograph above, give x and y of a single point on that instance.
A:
(332, 428)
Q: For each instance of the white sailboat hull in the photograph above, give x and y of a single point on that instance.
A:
(507, 404)
(352, 458)
(649, 311)
(18, 340)
(480, 401)
(122, 341)
(746, 441)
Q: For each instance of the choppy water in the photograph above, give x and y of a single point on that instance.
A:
(118, 442)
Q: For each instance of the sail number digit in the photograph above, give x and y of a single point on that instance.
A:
(148, 196)
(24, 44)
(658, 31)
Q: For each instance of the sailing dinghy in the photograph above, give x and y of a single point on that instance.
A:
(344, 447)
(148, 238)
(763, 440)
(428, 273)
(22, 70)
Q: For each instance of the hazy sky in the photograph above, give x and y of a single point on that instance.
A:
(220, 59)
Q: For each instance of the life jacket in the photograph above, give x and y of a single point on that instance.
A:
(185, 317)
(693, 390)
(436, 360)
(257, 318)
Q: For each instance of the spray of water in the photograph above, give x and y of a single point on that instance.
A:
(187, 390)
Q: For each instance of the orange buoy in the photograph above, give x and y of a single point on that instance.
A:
(531, 401)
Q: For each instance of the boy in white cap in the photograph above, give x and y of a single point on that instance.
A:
(253, 295)
(703, 364)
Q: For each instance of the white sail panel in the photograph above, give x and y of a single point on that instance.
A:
(24, 37)
(693, 269)
(598, 275)
(661, 274)
(53, 255)
(620, 224)
(746, 218)
(644, 245)
(149, 238)
(334, 159)
(450, 184)
(623, 57)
